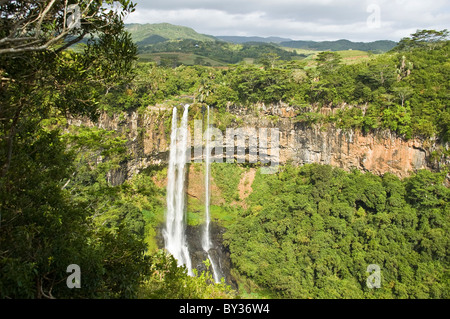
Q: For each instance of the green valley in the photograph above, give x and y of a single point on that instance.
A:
(93, 135)
(171, 45)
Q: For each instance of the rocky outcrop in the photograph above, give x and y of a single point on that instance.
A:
(218, 251)
(378, 154)
(149, 133)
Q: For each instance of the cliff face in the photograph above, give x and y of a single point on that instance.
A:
(149, 133)
(377, 153)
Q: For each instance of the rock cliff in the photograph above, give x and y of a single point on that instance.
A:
(148, 134)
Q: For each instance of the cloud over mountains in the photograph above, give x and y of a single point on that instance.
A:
(301, 19)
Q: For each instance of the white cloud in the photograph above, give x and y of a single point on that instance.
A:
(305, 19)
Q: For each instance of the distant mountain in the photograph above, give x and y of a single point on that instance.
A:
(150, 34)
(376, 46)
(239, 39)
(219, 51)
(145, 34)
(173, 45)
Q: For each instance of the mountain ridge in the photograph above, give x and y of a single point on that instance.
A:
(342, 44)
(149, 34)
(245, 39)
(142, 32)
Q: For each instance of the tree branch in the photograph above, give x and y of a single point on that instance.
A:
(43, 14)
(71, 42)
(31, 43)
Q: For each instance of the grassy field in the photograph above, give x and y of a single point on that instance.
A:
(353, 56)
(184, 58)
(348, 57)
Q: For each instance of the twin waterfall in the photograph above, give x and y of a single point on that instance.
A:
(174, 232)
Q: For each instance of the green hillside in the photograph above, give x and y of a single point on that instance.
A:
(219, 51)
(377, 46)
(84, 139)
(172, 45)
(163, 31)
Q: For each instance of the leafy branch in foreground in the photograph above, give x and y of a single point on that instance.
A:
(28, 26)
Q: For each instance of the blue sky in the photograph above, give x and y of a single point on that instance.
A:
(356, 20)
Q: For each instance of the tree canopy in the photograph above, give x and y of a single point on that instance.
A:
(312, 232)
(307, 232)
(58, 203)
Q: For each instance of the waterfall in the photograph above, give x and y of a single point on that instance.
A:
(206, 240)
(174, 233)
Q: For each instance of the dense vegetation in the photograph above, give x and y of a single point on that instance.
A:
(405, 90)
(220, 51)
(376, 46)
(58, 204)
(62, 203)
(311, 232)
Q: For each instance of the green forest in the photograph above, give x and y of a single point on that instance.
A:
(305, 232)
(404, 90)
(311, 231)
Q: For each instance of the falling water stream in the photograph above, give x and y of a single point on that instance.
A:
(206, 240)
(174, 233)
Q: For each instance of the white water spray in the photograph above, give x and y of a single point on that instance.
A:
(206, 240)
(174, 233)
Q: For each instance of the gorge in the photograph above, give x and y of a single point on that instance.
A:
(206, 239)
(113, 166)
(380, 152)
(153, 137)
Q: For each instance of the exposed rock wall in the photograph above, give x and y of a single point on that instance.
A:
(148, 133)
(378, 153)
(375, 153)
